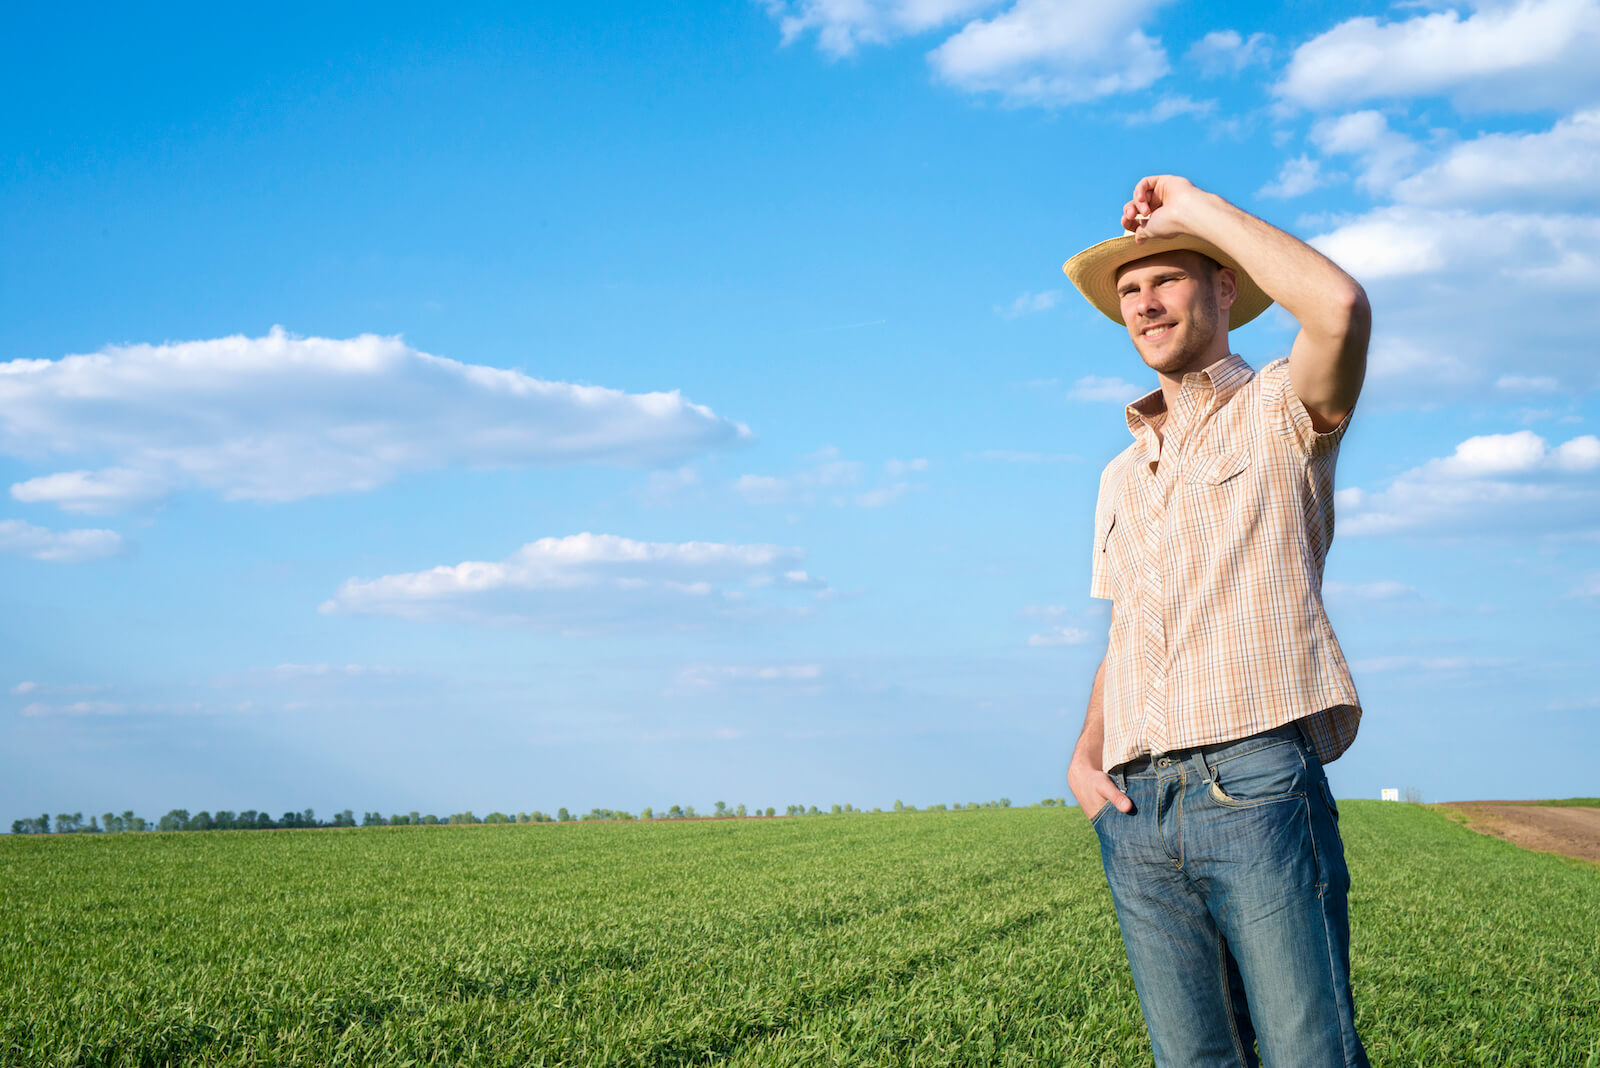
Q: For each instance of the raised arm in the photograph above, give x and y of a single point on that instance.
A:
(1329, 357)
(1087, 780)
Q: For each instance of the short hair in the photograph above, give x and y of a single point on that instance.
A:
(1207, 274)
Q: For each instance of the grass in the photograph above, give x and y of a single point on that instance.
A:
(1574, 802)
(960, 938)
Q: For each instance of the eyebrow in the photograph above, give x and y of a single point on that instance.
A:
(1166, 276)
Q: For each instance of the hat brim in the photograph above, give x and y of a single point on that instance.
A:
(1094, 272)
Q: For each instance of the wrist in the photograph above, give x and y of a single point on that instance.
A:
(1203, 212)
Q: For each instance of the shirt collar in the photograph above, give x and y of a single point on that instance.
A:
(1209, 387)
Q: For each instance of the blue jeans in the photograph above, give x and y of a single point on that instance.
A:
(1230, 886)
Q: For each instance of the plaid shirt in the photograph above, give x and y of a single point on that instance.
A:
(1213, 562)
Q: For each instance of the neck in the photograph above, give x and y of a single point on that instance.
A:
(1172, 382)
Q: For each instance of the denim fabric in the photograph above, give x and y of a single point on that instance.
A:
(1230, 886)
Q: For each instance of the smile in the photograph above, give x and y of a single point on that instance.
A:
(1159, 330)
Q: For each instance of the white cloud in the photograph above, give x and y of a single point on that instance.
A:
(703, 678)
(663, 487)
(764, 489)
(1483, 239)
(1054, 52)
(1459, 297)
(1043, 52)
(586, 582)
(1588, 587)
(1558, 168)
(57, 546)
(1296, 177)
(1527, 384)
(1227, 52)
(1059, 636)
(25, 687)
(1389, 243)
(830, 480)
(324, 671)
(802, 580)
(75, 708)
(93, 492)
(1095, 389)
(1500, 56)
(896, 468)
(1522, 452)
(842, 26)
(280, 417)
(883, 495)
(1385, 155)
(1029, 303)
(1170, 107)
(1491, 484)
(801, 487)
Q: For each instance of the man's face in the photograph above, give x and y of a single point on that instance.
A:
(1173, 306)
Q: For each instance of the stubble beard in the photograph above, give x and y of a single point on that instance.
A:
(1195, 335)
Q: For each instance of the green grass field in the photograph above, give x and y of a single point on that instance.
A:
(934, 938)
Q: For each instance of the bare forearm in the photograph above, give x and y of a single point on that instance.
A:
(1091, 740)
(1086, 778)
(1323, 299)
(1329, 359)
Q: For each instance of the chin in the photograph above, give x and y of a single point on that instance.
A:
(1165, 363)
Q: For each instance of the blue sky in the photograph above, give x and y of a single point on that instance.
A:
(626, 405)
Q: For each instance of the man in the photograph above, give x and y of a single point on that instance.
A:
(1223, 690)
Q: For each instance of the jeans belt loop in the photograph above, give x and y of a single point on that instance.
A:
(1305, 735)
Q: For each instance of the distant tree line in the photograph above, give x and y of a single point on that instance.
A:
(73, 824)
(179, 819)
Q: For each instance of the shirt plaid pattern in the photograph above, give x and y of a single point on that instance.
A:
(1210, 544)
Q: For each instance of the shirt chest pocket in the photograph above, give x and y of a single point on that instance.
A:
(1215, 469)
(1114, 543)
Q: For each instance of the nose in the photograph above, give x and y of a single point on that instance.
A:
(1146, 304)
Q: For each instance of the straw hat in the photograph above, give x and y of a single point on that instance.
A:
(1094, 272)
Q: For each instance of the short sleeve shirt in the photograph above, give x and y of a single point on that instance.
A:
(1210, 543)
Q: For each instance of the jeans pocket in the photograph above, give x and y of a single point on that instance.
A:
(1259, 777)
(1327, 795)
(1094, 821)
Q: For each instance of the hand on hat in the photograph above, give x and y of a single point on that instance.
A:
(1157, 206)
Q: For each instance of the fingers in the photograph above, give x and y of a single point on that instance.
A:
(1134, 221)
(1106, 789)
(1094, 788)
(1147, 195)
(1147, 200)
(1108, 792)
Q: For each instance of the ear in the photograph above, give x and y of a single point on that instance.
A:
(1227, 288)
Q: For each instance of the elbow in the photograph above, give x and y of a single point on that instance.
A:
(1357, 309)
(1348, 321)
(1349, 311)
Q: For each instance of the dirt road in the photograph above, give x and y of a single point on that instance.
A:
(1574, 831)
